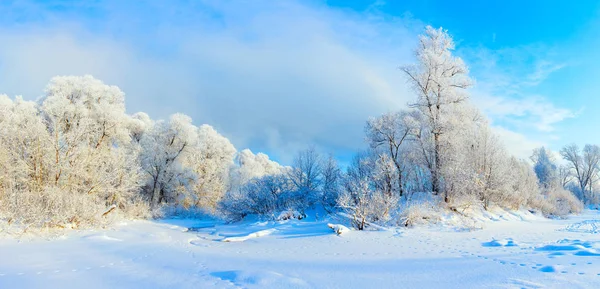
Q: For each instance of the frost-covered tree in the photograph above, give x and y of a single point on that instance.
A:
(263, 196)
(186, 165)
(419, 155)
(83, 109)
(87, 123)
(24, 148)
(361, 197)
(306, 170)
(254, 177)
(68, 155)
(584, 165)
(211, 161)
(309, 182)
(524, 188)
(163, 147)
(440, 80)
(388, 135)
(385, 176)
(306, 174)
(478, 167)
(138, 124)
(331, 183)
(553, 182)
(565, 176)
(544, 167)
(249, 166)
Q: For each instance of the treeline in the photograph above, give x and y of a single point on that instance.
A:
(76, 158)
(441, 147)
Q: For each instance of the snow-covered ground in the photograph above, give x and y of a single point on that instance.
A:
(516, 251)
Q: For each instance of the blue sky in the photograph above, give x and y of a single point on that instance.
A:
(278, 76)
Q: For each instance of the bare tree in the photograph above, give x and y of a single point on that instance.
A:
(331, 178)
(440, 80)
(591, 159)
(386, 135)
(362, 197)
(307, 169)
(565, 176)
(306, 175)
(584, 164)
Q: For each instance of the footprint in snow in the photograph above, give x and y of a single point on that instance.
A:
(549, 269)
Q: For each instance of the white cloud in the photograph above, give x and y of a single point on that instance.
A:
(507, 82)
(530, 112)
(543, 69)
(516, 144)
(270, 77)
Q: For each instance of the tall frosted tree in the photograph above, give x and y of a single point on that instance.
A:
(440, 80)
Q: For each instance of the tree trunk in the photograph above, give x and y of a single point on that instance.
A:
(155, 196)
(435, 177)
(400, 189)
(582, 186)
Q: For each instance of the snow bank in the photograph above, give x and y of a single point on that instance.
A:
(587, 226)
(500, 243)
(338, 228)
(102, 237)
(160, 254)
(288, 215)
(250, 236)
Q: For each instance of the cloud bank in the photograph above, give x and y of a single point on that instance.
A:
(272, 76)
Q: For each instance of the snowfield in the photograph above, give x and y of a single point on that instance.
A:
(514, 251)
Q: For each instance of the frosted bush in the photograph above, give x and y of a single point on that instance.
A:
(420, 214)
